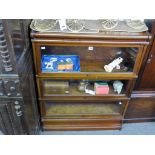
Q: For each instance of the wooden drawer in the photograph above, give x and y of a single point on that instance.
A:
(82, 124)
(141, 109)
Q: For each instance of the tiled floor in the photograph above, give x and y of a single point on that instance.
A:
(128, 129)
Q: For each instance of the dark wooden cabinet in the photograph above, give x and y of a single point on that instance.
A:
(18, 102)
(70, 109)
(142, 105)
(147, 73)
(148, 77)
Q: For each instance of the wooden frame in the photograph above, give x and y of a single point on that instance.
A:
(105, 39)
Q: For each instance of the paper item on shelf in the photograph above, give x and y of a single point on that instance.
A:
(88, 91)
(62, 24)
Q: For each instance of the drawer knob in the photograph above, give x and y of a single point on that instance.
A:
(16, 102)
(9, 94)
(18, 94)
(120, 103)
(16, 81)
(12, 88)
(17, 107)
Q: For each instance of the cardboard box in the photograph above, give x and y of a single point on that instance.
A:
(101, 88)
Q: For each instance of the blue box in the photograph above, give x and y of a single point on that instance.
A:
(50, 63)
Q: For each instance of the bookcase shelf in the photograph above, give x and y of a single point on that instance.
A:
(77, 110)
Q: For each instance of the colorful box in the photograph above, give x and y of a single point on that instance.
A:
(60, 63)
(101, 88)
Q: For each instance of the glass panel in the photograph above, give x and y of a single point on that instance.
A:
(87, 59)
(82, 108)
(83, 87)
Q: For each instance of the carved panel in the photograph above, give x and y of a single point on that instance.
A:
(12, 87)
(4, 51)
(18, 109)
(1, 88)
(11, 118)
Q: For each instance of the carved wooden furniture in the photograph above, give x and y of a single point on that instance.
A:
(18, 108)
(75, 110)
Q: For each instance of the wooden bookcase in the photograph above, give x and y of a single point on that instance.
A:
(77, 110)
